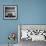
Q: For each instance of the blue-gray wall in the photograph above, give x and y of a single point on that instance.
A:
(33, 11)
(29, 12)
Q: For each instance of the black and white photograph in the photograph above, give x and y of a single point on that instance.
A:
(31, 34)
(10, 12)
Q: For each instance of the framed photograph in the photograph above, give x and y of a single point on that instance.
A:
(10, 11)
(33, 32)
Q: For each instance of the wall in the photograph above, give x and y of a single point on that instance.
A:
(29, 12)
(7, 26)
(33, 11)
